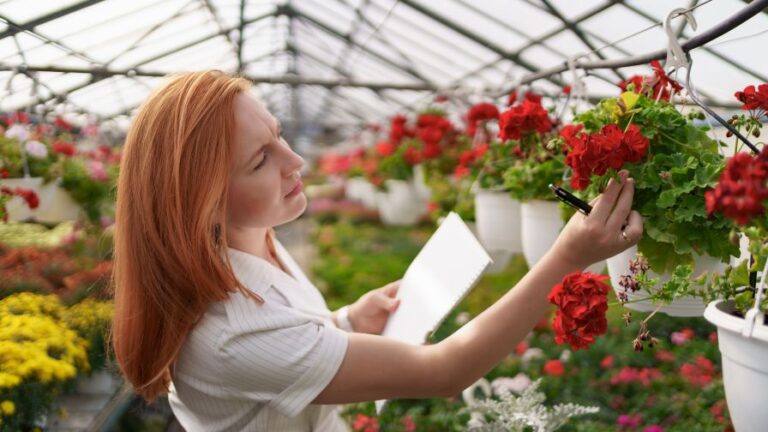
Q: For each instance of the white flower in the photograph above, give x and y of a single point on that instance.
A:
(462, 318)
(531, 354)
(17, 131)
(517, 384)
(36, 149)
(527, 412)
(565, 356)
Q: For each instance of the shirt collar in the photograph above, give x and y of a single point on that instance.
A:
(258, 274)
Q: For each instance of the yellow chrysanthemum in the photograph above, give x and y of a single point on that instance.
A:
(7, 407)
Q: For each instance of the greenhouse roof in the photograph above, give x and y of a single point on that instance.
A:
(335, 66)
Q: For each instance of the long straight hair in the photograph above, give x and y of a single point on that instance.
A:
(170, 242)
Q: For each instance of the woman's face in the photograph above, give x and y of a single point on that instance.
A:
(265, 187)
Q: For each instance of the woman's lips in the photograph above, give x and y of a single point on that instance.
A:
(295, 191)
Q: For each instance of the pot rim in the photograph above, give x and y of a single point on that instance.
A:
(718, 313)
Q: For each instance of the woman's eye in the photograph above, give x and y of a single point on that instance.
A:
(261, 163)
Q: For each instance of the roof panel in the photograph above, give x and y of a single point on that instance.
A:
(22, 11)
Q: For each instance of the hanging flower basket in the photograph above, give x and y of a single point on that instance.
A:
(682, 307)
(745, 364)
(498, 225)
(400, 204)
(541, 224)
(55, 203)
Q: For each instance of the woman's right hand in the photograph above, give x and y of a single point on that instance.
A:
(610, 228)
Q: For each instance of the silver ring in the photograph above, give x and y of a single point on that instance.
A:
(624, 234)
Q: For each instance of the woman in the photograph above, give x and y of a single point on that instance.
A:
(211, 308)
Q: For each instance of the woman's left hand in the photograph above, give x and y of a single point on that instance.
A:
(369, 314)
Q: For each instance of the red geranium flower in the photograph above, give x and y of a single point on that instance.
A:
(385, 148)
(480, 113)
(364, 423)
(523, 119)
(741, 190)
(64, 148)
(554, 368)
(754, 99)
(582, 301)
(699, 373)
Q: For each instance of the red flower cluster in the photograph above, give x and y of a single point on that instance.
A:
(18, 117)
(29, 196)
(581, 300)
(364, 423)
(385, 148)
(63, 148)
(554, 367)
(595, 153)
(467, 158)
(660, 82)
(336, 163)
(520, 120)
(62, 124)
(699, 373)
(741, 191)
(754, 99)
(480, 113)
(431, 129)
(629, 375)
(398, 129)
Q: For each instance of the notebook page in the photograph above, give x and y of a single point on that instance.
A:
(439, 277)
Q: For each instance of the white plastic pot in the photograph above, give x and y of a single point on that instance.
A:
(540, 224)
(745, 366)
(55, 203)
(419, 182)
(498, 225)
(682, 307)
(400, 204)
(361, 190)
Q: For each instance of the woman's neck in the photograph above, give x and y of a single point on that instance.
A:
(250, 240)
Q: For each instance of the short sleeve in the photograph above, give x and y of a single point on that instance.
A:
(274, 354)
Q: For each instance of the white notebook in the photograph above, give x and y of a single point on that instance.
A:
(440, 276)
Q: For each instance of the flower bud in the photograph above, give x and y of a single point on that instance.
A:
(756, 132)
(637, 345)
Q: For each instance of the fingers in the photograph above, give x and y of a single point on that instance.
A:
(618, 216)
(387, 303)
(391, 289)
(634, 229)
(607, 200)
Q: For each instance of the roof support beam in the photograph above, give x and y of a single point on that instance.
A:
(241, 37)
(577, 31)
(405, 68)
(514, 57)
(29, 25)
(289, 80)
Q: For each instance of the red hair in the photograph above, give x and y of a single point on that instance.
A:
(170, 242)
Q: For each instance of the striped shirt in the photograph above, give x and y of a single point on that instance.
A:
(256, 367)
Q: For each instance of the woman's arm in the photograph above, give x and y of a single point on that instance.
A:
(379, 368)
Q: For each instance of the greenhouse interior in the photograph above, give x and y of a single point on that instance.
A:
(383, 215)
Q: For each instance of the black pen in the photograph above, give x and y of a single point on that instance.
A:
(571, 199)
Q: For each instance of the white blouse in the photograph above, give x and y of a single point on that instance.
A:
(256, 367)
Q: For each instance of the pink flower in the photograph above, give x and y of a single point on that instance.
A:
(408, 424)
(97, 172)
(682, 337)
(365, 424)
(629, 421)
(607, 362)
(653, 428)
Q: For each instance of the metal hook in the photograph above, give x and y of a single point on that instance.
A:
(678, 58)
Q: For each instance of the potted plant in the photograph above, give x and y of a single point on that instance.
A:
(497, 214)
(404, 203)
(674, 163)
(737, 304)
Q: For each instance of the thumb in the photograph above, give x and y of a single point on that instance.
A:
(393, 304)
